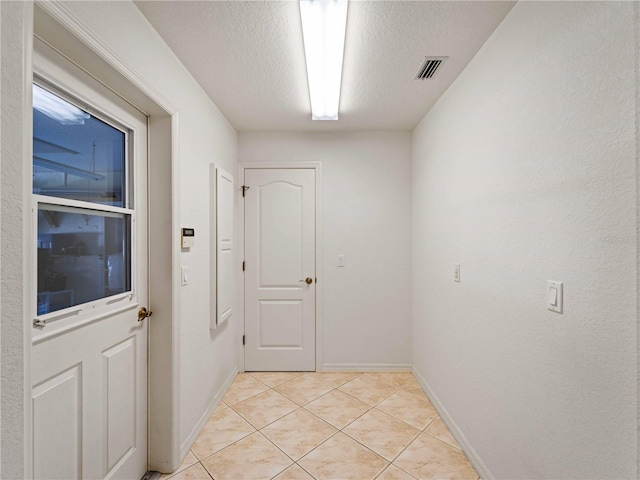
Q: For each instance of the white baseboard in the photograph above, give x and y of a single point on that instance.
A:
(217, 398)
(468, 450)
(366, 367)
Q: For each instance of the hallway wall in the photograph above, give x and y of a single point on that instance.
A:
(525, 171)
(208, 359)
(366, 217)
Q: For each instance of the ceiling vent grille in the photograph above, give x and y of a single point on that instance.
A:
(429, 67)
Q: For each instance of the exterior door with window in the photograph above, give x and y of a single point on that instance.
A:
(280, 269)
(89, 356)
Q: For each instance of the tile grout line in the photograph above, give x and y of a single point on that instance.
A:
(387, 413)
(442, 441)
(274, 421)
(340, 429)
(403, 471)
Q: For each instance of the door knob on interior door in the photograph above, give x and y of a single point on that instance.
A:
(307, 280)
(144, 313)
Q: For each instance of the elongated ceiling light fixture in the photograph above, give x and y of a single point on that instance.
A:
(324, 24)
(57, 108)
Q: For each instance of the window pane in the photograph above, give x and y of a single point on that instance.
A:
(83, 256)
(75, 155)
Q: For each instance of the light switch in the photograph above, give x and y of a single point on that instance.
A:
(341, 260)
(456, 272)
(554, 296)
(184, 276)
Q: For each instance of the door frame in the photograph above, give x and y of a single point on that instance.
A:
(57, 26)
(317, 166)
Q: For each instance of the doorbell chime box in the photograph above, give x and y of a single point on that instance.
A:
(188, 237)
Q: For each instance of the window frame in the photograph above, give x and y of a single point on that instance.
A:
(81, 314)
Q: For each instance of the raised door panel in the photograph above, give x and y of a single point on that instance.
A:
(280, 230)
(57, 426)
(120, 390)
(281, 324)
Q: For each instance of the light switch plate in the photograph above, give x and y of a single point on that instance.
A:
(341, 260)
(456, 272)
(184, 276)
(554, 296)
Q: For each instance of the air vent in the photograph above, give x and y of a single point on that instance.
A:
(429, 67)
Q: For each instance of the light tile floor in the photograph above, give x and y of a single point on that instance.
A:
(305, 426)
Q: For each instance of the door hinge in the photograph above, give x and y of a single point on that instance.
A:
(244, 189)
(243, 339)
(243, 266)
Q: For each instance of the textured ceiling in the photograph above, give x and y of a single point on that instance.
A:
(249, 58)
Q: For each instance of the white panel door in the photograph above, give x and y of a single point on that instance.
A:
(89, 356)
(280, 270)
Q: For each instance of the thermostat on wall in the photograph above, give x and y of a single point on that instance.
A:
(188, 237)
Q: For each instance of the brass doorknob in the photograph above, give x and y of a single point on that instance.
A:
(307, 280)
(144, 313)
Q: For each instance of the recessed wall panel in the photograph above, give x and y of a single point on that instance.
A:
(57, 427)
(120, 396)
(224, 233)
(280, 324)
(225, 287)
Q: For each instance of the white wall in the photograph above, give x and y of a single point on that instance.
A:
(15, 145)
(366, 217)
(525, 171)
(207, 359)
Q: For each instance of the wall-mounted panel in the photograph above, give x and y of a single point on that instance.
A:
(222, 254)
(226, 280)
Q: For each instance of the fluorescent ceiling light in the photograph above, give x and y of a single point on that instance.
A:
(61, 167)
(324, 23)
(57, 108)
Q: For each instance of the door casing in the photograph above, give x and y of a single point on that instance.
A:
(317, 166)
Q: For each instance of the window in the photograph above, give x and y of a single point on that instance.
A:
(75, 155)
(80, 188)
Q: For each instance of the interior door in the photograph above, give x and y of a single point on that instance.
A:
(89, 356)
(280, 270)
